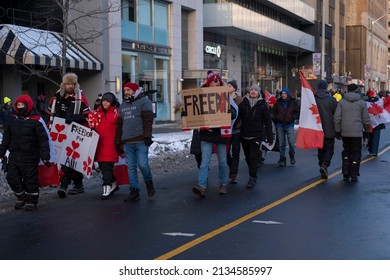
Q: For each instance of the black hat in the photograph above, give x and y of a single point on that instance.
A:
(110, 97)
(322, 85)
(233, 83)
(352, 87)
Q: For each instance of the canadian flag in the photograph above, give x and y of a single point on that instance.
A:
(310, 133)
(379, 111)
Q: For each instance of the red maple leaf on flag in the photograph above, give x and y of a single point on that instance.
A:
(375, 109)
(314, 111)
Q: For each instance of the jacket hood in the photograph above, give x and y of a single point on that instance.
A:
(352, 96)
(322, 93)
(26, 99)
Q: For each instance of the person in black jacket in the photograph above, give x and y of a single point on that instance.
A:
(256, 126)
(72, 109)
(27, 141)
(327, 105)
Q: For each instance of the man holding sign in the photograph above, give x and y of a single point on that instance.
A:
(70, 104)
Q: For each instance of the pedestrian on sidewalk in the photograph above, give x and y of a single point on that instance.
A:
(327, 105)
(256, 126)
(351, 120)
(134, 129)
(104, 121)
(27, 141)
(286, 111)
(208, 139)
(70, 103)
(233, 155)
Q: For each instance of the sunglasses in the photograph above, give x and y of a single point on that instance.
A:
(216, 81)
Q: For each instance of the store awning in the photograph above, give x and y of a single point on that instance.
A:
(29, 46)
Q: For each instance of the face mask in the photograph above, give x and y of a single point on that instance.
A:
(22, 111)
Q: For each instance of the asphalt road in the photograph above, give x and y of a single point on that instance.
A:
(291, 214)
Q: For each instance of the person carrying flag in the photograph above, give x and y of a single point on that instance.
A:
(327, 107)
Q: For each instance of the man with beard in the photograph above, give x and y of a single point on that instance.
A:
(66, 105)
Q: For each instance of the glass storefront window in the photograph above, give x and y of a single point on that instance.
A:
(161, 23)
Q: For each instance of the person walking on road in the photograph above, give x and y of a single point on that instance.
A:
(208, 138)
(104, 120)
(351, 120)
(233, 155)
(6, 111)
(286, 111)
(134, 127)
(70, 104)
(256, 126)
(327, 105)
(27, 141)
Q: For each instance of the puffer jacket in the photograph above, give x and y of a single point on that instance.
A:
(351, 118)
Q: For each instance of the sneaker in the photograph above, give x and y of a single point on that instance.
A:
(233, 179)
(76, 190)
(133, 196)
(61, 193)
(251, 182)
(324, 172)
(200, 191)
(346, 178)
(19, 204)
(222, 189)
(30, 207)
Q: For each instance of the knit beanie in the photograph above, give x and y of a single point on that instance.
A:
(352, 87)
(212, 77)
(132, 86)
(233, 83)
(256, 87)
(370, 93)
(110, 97)
(6, 100)
(322, 85)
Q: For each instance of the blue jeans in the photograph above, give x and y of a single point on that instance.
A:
(137, 155)
(282, 133)
(207, 152)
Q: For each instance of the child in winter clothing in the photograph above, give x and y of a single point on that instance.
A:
(27, 141)
(104, 120)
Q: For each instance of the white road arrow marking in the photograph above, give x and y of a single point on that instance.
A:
(178, 234)
(267, 222)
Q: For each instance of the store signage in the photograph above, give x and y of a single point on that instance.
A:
(144, 47)
(216, 50)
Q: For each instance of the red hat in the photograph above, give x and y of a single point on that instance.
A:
(132, 86)
(211, 77)
(370, 93)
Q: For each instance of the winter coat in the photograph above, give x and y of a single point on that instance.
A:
(351, 117)
(135, 120)
(255, 121)
(106, 129)
(213, 135)
(286, 112)
(25, 137)
(327, 105)
(64, 108)
(5, 114)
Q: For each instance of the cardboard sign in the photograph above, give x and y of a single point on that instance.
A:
(206, 107)
(75, 145)
(58, 136)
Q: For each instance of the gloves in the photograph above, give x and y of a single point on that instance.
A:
(47, 163)
(69, 120)
(183, 114)
(366, 134)
(118, 148)
(338, 135)
(148, 141)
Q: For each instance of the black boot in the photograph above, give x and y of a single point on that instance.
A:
(21, 201)
(31, 202)
(134, 195)
(65, 182)
(282, 161)
(150, 188)
(292, 159)
(324, 172)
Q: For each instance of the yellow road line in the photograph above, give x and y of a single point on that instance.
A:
(249, 216)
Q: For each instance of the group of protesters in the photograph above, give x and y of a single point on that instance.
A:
(127, 129)
(122, 128)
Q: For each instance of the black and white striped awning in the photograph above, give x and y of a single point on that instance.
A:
(23, 45)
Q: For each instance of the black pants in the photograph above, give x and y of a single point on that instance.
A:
(233, 157)
(251, 152)
(71, 175)
(352, 155)
(326, 153)
(23, 180)
(107, 169)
